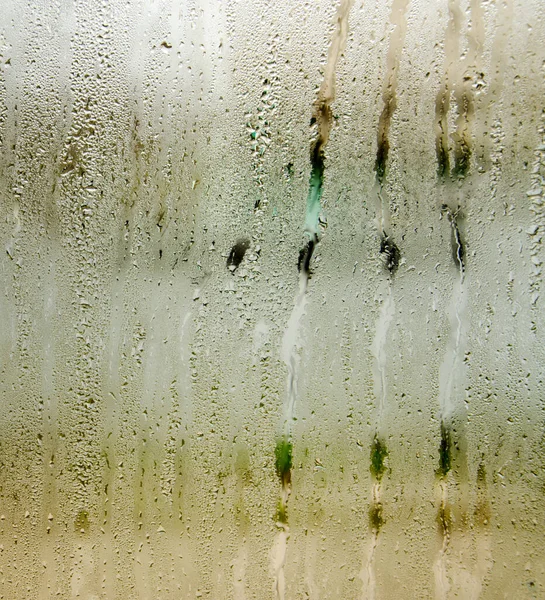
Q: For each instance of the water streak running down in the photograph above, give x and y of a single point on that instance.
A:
(290, 345)
(398, 18)
(391, 256)
(322, 118)
(450, 378)
(386, 315)
(461, 77)
(440, 568)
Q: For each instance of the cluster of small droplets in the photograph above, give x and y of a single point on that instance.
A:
(259, 124)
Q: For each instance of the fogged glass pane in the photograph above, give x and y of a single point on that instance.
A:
(272, 306)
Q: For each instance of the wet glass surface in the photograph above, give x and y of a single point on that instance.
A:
(271, 301)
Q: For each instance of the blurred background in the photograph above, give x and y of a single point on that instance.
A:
(271, 309)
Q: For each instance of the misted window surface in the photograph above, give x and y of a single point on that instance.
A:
(272, 307)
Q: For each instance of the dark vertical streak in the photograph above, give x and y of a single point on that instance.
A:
(305, 254)
(458, 77)
(317, 155)
(457, 242)
(458, 250)
(389, 93)
(379, 453)
(383, 144)
(445, 450)
(442, 102)
(283, 463)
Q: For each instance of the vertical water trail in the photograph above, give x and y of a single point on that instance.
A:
(460, 76)
(398, 18)
(391, 256)
(322, 119)
(442, 106)
(448, 374)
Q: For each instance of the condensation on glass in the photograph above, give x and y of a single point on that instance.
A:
(272, 306)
